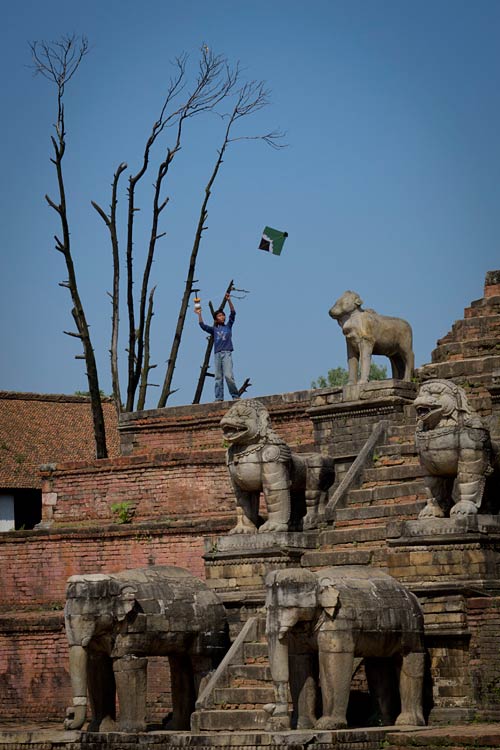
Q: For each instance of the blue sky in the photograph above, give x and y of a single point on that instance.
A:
(389, 184)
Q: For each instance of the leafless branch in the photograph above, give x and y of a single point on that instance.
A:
(146, 366)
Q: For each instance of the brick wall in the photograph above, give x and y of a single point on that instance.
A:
(191, 485)
(34, 676)
(38, 565)
(196, 427)
(469, 354)
(34, 671)
(483, 615)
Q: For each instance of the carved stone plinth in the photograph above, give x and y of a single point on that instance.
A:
(447, 552)
(453, 565)
(343, 418)
(249, 738)
(237, 564)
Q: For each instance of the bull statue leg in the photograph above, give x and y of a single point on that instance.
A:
(397, 367)
(409, 365)
(365, 358)
(352, 363)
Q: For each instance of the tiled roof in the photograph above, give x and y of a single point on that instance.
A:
(39, 429)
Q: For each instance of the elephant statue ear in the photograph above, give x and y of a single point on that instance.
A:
(328, 596)
(125, 602)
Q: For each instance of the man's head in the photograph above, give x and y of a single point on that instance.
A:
(220, 317)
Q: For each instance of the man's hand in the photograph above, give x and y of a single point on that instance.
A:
(228, 299)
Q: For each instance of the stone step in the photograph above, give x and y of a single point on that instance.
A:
(473, 327)
(466, 349)
(222, 719)
(394, 458)
(375, 556)
(371, 495)
(396, 449)
(483, 306)
(400, 433)
(254, 672)
(393, 473)
(255, 650)
(378, 512)
(463, 371)
(359, 534)
(237, 696)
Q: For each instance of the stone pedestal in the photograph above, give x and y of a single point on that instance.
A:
(236, 564)
(453, 565)
(343, 418)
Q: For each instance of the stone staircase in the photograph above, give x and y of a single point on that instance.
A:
(391, 489)
(235, 697)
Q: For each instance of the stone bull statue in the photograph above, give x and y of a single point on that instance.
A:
(369, 333)
(294, 485)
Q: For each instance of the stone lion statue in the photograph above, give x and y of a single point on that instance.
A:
(368, 333)
(454, 448)
(294, 485)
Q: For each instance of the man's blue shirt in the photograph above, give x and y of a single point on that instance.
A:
(223, 341)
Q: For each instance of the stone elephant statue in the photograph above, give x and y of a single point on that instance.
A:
(340, 613)
(114, 622)
(368, 333)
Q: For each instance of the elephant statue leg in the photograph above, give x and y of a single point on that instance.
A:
(131, 685)
(335, 672)
(304, 690)
(183, 691)
(411, 683)
(102, 692)
(382, 681)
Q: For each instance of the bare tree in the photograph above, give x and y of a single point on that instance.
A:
(58, 62)
(215, 83)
